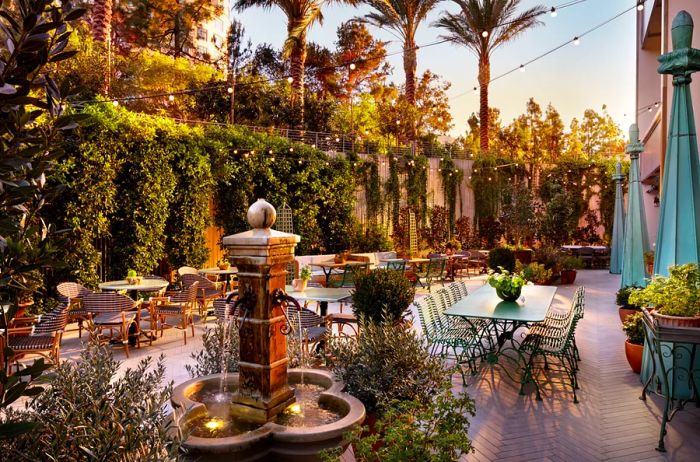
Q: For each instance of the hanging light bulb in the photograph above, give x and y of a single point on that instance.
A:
(640, 5)
(649, 109)
(656, 104)
(290, 79)
(522, 68)
(115, 103)
(352, 66)
(235, 151)
(485, 34)
(476, 90)
(553, 12)
(291, 149)
(229, 90)
(299, 161)
(577, 41)
(171, 97)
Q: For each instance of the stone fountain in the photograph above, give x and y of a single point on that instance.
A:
(271, 413)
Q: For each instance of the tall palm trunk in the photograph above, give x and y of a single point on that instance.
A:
(409, 68)
(102, 33)
(298, 60)
(484, 77)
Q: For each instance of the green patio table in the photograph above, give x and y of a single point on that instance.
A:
(330, 265)
(322, 295)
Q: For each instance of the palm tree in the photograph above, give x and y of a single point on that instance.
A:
(403, 17)
(301, 14)
(482, 26)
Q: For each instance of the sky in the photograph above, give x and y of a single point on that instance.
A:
(599, 71)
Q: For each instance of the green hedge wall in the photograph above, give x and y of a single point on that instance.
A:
(145, 183)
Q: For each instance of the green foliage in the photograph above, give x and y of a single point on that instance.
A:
(518, 214)
(305, 273)
(502, 257)
(550, 257)
(437, 234)
(675, 295)
(209, 359)
(387, 363)
(490, 231)
(464, 233)
(12, 388)
(374, 238)
(570, 263)
(93, 411)
(393, 190)
(559, 219)
(537, 273)
(634, 328)
(508, 285)
(451, 179)
(413, 431)
(417, 187)
(32, 122)
(373, 193)
(382, 295)
(623, 295)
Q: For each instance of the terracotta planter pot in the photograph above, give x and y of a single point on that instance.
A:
(650, 268)
(676, 321)
(224, 267)
(299, 284)
(624, 312)
(634, 355)
(568, 276)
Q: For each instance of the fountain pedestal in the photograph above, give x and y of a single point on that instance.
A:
(261, 256)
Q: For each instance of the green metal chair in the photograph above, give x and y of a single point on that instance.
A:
(397, 265)
(347, 278)
(434, 271)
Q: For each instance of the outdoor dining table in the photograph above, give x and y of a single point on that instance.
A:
(328, 266)
(322, 295)
(146, 285)
(226, 273)
(504, 317)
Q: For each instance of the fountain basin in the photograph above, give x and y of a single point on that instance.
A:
(270, 441)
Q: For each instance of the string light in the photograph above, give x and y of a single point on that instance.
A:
(352, 66)
(522, 68)
(485, 34)
(553, 12)
(290, 79)
(171, 97)
(115, 103)
(229, 90)
(640, 5)
(576, 41)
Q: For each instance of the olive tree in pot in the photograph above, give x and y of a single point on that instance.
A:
(382, 295)
(674, 300)
(622, 298)
(634, 345)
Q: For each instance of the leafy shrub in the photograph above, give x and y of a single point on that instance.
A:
(503, 258)
(537, 273)
(387, 363)
(382, 295)
(634, 328)
(571, 263)
(209, 359)
(92, 411)
(623, 295)
(412, 431)
(675, 295)
(375, 238)
(490, 231)
(550, 257)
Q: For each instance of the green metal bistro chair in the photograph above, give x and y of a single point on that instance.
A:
(554, 341)
(396, 265)
(347, 278)
(434, 272)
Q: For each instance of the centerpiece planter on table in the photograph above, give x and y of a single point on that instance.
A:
(304, 277)
(508, 285)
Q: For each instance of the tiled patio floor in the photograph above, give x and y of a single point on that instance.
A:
(609, 424)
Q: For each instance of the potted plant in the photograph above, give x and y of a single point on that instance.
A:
(537, 273)
(508, 285)
(304, 277)
(223, 264)
(382, 295)
(634, 345)
(674, 300)
(625, 308)
(132, 278)
(502, 257)
(569, 265)
(649, 261)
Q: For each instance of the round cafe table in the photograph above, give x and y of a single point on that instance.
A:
(231, 270)
(146, 285)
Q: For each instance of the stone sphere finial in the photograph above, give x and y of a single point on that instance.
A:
(682, 30)
(261, 215)
(634, 133)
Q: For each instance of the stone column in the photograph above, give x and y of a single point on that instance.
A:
(261, 256)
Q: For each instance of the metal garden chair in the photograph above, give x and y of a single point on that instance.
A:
(434, 271)
(397, 265)
(348, 277)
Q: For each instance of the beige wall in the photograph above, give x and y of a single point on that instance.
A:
(654, 38)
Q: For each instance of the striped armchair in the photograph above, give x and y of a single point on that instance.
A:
(41, 335)
(207, 292)
(114, 317)
(180, 306)
(71, 294)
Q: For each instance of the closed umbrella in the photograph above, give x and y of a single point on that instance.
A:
(636, 237)
(678, 239)
(618, 234)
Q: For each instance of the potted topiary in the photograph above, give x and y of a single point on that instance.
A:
(649, 261)
(223, 264)
(304, 277)
(382, 295)
(674, 300)
(569, 265)
(132, 278)
(625, 308)
(502, 257)
(634, 345)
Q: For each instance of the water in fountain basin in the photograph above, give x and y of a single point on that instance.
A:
(225, 354)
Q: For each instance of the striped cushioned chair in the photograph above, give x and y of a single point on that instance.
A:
(221, 309)
(43, 338)
(71, 294)
(180, 306)
(113, 316)
(307, 325)
(207, 292)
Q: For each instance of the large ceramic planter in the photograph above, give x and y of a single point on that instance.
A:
(624, 312)
(568, 276)
(634, 354)
(675, 321)
(299, 284)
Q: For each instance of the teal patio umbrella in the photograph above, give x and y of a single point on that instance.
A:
(678, 239)
(618, 234)
(636, 240)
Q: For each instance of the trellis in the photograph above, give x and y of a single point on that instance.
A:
(285, 224)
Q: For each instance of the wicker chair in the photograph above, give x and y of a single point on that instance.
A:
(313, 327)
(114, 318)
(37, 335)
(180, 306)
(71, 294)
(207, 291)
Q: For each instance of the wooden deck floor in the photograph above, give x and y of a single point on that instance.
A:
(609, 423)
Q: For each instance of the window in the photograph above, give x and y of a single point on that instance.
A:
(202, 51)
(201, 33)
